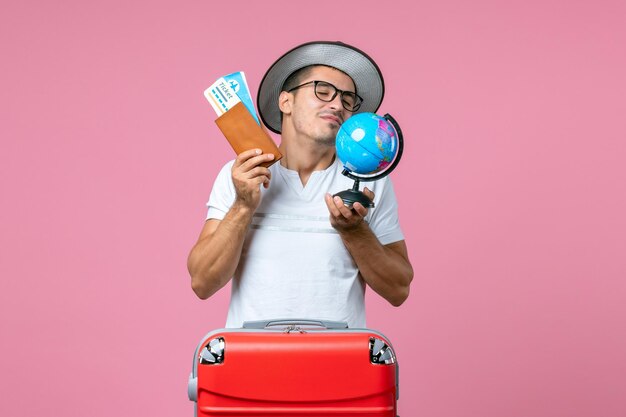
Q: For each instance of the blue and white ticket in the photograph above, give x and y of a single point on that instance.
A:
(221, 96)
(238, 83)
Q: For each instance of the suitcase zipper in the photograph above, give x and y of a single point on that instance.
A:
(293, 328)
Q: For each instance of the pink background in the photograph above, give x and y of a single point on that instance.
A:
(511, 189)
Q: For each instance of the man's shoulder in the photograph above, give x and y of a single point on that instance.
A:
(226, 169)
(229, 164)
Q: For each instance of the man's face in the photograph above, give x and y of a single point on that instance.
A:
(313, 117)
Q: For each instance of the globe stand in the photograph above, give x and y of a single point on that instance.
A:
(352, 196)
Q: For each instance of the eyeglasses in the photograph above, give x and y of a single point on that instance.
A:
(327, 92)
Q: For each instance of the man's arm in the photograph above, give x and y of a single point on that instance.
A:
(214, 258)
(385, 268)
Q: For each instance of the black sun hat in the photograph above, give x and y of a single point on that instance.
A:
(359, 66)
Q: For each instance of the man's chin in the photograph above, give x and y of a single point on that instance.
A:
(326, 140)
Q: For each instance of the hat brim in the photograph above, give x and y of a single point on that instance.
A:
(355, 63)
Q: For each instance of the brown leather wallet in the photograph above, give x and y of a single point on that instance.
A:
(243, 133)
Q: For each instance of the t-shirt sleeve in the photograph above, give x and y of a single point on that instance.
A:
(383, 218)
(222, 195)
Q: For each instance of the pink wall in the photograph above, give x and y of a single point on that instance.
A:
(512, 197)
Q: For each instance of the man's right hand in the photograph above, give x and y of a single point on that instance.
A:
(248, 176)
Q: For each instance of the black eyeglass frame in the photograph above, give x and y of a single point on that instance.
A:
(355, 108)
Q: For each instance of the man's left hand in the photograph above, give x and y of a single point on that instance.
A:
(346, 219)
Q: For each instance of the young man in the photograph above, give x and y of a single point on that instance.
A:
(292, 250)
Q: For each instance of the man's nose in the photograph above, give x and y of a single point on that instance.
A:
(335, 103)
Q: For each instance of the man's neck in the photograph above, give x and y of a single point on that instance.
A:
(305, 157)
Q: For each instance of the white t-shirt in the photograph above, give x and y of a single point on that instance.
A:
(293, 263)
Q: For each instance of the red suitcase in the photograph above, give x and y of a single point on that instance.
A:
(292, 368)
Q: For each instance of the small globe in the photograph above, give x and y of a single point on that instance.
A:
(366, 144)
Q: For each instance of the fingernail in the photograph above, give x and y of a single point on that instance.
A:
(270, 156)
(258, 151)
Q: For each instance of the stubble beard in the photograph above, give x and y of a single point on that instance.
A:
(320, 136)
(326, 136)
(326, 140)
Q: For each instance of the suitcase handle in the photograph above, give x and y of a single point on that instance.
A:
(327, 324)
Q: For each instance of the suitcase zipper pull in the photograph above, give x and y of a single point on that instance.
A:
(293, 328)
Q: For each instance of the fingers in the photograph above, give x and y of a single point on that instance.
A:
(368, 193)
(344, 218)
(244, 156)
(256, 176)
(248, 175)
(262, 179)
(256, 172)
(246, 168)
(338, 209)
(332, 206)
(344, 211)
(360, 209)
(251, 158)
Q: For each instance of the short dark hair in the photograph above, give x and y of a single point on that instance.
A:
(294, 80)
(296, 77)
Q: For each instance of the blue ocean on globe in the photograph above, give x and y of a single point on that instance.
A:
(366, 143)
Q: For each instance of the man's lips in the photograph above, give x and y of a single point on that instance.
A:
(331, 118)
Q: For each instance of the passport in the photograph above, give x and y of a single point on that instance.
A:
(243, 133)
(237, 119)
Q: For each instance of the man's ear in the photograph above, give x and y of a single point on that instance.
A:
(285, 102)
